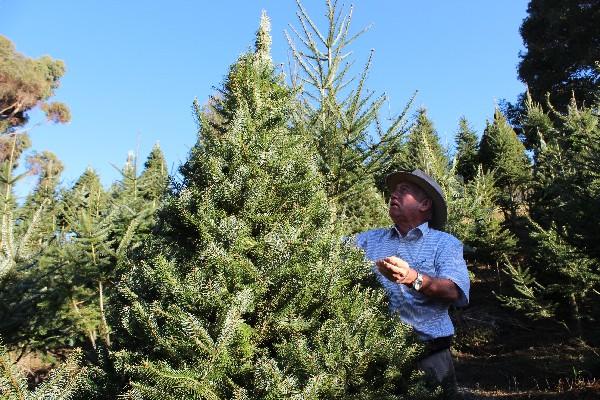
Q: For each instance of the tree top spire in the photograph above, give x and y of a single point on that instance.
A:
(263, 38)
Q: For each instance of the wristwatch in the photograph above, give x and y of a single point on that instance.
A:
(418, 282)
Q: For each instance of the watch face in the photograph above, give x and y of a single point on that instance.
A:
(418, 282)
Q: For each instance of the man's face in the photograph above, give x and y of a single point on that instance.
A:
(408, 203)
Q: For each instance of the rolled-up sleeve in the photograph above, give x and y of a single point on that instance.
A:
(450, 264)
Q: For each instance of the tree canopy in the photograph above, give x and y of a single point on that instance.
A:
(562, 41)
(26, 83)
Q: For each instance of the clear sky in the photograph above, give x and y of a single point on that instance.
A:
(134, 67)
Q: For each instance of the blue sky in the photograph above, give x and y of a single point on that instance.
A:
(134, 68)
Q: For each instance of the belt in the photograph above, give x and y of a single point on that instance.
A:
(438, 344)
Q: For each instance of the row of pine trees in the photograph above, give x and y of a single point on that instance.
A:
(237, 278)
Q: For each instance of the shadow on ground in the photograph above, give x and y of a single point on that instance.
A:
(501, 354)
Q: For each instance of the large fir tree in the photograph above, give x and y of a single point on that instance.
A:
(246, 290)
(562, 47)
(560, 60)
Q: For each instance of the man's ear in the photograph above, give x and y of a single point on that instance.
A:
(426, 204)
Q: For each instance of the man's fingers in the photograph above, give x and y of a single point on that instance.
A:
(392, 267)
(391, 260)
(390, 271)
(387, 272)
(387, 269)
(396, 261)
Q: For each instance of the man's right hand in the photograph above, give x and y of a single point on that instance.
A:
(396, 270)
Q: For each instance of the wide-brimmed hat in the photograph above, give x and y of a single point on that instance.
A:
(429, 186)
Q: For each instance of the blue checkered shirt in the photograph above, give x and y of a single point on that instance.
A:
(431, 252)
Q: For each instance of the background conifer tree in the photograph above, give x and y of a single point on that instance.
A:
(501, 151)
(246, 290)
(25, 276)
(98, 229)
(483, 225)
(467, 151)
(565, 190)
(560, 282)
(560, 60)
(48, 169)
(64, 382)
(423, 148)
(154, 178)
(25, 240)
(341, 118)
(562, 277)
(560, 38)
(135, 198)
(86, 253)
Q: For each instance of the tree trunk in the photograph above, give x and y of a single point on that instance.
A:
(576, 315)
(104, 323)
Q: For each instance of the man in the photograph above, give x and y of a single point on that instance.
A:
(421, 268)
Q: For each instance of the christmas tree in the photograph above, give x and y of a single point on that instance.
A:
(561, 280)
(467, 148)
(501, 151)
(246, 290)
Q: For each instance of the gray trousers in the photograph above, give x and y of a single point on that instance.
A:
(439, 368)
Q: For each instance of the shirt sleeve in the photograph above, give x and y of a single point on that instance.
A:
(451, 265)
(360, 240)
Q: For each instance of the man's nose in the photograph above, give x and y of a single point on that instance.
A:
(399, 192)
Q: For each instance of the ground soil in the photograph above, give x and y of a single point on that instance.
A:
(501, 354)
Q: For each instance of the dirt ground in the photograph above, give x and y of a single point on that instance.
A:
(500, 354)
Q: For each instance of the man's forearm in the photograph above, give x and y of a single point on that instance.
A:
(440, 288)
(398, 270)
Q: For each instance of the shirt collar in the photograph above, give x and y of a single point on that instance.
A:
(415, 233)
